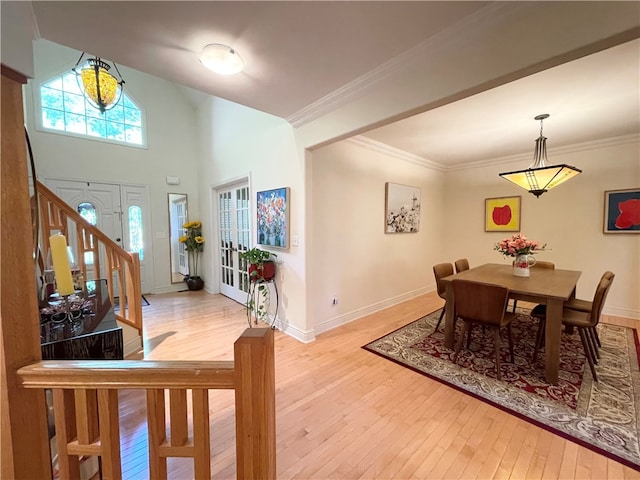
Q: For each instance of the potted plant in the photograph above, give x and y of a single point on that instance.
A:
(261, 266)
(193, 243)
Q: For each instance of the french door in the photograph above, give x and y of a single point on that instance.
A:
(234, 229)
(119, 211)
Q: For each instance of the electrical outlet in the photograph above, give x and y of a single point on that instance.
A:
(334, 300)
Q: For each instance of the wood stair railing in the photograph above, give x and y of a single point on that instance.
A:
(85, 396)
(122, 267)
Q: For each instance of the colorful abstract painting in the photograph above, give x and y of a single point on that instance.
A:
(622, 211)
(502, 214)
(273, 217)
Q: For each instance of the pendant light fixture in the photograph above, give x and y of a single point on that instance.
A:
(540, 177)
(101, 89)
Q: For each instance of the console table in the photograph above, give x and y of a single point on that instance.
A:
(94, 335)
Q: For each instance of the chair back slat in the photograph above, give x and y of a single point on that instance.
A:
(480, 302)
(462, 265)
(600, 297)
(440, 271)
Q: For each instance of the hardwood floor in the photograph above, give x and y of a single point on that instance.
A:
(344, 413)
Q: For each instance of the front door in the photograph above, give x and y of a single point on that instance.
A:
(118, 211)
(234, 228)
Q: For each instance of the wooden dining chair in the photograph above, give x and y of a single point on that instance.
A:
(461, 265)
(440, 271)
(585, 322)
(538, 264)
(486, 304)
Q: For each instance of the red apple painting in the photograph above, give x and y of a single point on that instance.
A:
(502, 214)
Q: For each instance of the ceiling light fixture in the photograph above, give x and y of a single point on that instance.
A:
(221, 59)
(539, 177)
(101, 89)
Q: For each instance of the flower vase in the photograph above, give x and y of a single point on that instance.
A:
(522, 264)
(194, 283)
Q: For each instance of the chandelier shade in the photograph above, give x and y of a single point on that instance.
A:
(101, 88)
(540, 177)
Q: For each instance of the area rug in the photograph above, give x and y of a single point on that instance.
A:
(603, 416)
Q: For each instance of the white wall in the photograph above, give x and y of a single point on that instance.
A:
(171, 148)
(239, 142)
(352, 256)
(568, 218)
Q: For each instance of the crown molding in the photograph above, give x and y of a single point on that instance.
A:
(448, 39)
(383, 148)
(562, 150)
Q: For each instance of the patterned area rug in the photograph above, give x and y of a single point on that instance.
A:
(603, 416)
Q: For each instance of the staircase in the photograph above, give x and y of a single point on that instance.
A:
(121, 268)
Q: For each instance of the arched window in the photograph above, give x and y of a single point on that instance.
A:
(87, 210)
(64, 109)
(136, 243)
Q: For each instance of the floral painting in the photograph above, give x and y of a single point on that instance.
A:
(502, 214)
(402, 213)
(273, 217)
(622, 211)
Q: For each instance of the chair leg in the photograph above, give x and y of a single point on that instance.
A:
(587, 352)
(439, 320)
(515, 302)
(458, 346)
(513, 359)
(594, 330)
(539, 338)
(595, 341)
(469, 336)
(593, 348)
(496, 343)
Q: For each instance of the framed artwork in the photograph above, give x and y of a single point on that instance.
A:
(273, 217)
(622, 211)
(402, 208)
(502, 214)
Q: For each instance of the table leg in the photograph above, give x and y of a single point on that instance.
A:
(449, 324)
(553, 329)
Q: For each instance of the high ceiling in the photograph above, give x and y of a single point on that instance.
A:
(298, 54)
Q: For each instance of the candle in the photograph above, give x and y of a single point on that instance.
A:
(61, 267)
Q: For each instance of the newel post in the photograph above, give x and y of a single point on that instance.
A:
(255, 404)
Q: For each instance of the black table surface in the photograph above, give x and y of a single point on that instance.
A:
(92, 333)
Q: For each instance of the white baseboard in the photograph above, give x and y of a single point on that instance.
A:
(368, 310)
(621, 312)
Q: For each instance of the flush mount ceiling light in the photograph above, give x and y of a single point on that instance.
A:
(101, 89)
(221, 59)
(540, 177)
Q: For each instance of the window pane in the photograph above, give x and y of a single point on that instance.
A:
(135, 230)
(70, 83)
(92, 111)
(116, 114)
(88, 211)
(96, 127)
(51, 98)
(56, 83)
(132, 117)
(115, 131)
(75, 123)
(74, 103)
(134, 135)
(53, 119)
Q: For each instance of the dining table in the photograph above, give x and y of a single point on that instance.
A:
(551, 287)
